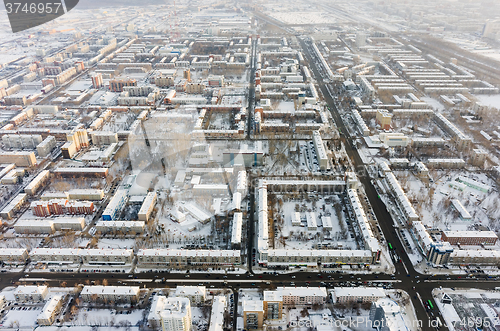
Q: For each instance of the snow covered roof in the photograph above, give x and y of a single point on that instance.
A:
(276, 295)
(182, 291)
(82, 252)
(354, 292)
(30, 289)
(473, 182)
(394, 320)
(110, 290)
(401, 196)
(12, 251)
(304, 291)
(422, 234)
(253, 305)
(175, 308)
(188, 252)
(470, 234)
(49, 307)
(319, 252)
(217, 314)
(236, 230)
(120, 224)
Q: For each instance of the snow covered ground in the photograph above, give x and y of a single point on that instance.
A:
(490, 100)
(299, 237)
(435, 209)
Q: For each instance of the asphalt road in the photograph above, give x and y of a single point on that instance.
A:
(405, 272)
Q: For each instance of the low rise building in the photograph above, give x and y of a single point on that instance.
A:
(470, 237)
(31, 293)
(49, 311)
(169, 258)
(8, 212)
(357, 294)
(13, 255)
(86, 194)
(217, 314)
(195, 294)
(99, 293)
(303, 295)
(147, 207)
(20, 159)
(123, 227)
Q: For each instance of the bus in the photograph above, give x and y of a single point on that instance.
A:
(390, 246)
(430, 304)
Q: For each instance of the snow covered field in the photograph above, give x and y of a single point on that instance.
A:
(435, 201)
(300, 237)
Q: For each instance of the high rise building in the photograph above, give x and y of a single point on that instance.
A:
(97, 81)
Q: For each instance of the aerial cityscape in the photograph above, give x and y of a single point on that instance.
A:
(228, 165)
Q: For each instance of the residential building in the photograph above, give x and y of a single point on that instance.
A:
(100, 293)
(147, 207)
(217, 314)
(49, 311)
(31, 293)
(357, 294)
(253, 314)
(273, 304)
(195, 294)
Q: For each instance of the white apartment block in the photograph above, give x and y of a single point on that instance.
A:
(147, 207)
(172, 314)
(31, 293)
(99, 293)
(357, 294)
(303, 295)
(49, 311)
(195, 294)
(13, 255)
